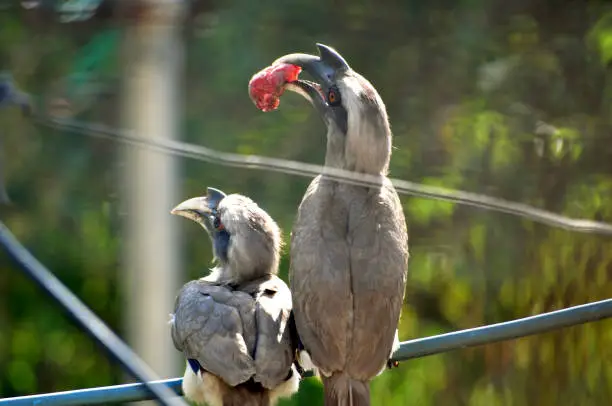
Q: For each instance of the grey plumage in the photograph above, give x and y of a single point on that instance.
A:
(349, 244)
(234, 322)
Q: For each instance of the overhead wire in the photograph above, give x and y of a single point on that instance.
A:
(404, 187)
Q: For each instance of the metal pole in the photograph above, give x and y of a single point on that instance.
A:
(85, 317)
(151, 274)
(106, 394)
(409, 349)
(493, 333)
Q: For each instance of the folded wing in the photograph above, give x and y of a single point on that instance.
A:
(275, 348)
(215, 325)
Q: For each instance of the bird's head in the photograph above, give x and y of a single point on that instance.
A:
(246, 240)
(358, 136)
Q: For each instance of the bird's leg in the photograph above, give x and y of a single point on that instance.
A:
(298, 350)
(392, 364)
(396, 344)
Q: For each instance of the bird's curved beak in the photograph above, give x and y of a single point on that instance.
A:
(201, 208)
(325, 69)
(196, 209)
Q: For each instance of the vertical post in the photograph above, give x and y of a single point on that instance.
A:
(153, 63)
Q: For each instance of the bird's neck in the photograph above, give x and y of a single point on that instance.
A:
(366, 148)
(235, 272)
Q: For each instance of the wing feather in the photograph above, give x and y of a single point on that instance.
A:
(275, 350)
(210, 325)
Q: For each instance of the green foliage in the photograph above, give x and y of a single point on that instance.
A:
(601, 37)
(509, 99)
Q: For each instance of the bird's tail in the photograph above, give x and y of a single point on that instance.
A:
(206, 388)
(242, 395)
(341, 390)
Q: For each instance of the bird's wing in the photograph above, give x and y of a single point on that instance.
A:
(379, 256)
(275, 350)
(209, 324)
(320, 276)
(348, 272)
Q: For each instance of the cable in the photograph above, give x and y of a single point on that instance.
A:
(202, 153)
(86, 318)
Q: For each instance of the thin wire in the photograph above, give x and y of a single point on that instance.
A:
(86, 318)
(202, 153)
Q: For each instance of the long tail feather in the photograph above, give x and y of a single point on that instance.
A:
(342, 390)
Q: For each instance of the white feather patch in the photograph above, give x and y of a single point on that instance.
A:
(394, 347)
(396, 344)
(202, 389)
(286, 389)
(306, 362)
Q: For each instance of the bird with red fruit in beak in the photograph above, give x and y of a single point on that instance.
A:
(349, 243)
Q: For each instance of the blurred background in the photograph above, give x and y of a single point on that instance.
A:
(511, 99)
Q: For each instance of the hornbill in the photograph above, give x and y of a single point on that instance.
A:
(233, 326)
(349, 244)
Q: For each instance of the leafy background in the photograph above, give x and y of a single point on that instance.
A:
(510, 99)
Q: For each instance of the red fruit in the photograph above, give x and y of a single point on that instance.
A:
(267, 85)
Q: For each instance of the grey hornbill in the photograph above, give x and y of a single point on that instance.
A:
(233, 325)
(349, 244)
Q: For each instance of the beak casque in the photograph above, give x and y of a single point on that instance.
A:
(323, 68)
(194, 209)
(200, 207)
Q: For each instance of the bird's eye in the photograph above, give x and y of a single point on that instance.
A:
(333, 96)
(217, 224)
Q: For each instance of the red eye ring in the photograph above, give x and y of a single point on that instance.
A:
(218, 224)
(333, 96)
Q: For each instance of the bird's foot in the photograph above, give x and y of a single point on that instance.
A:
(392, 364)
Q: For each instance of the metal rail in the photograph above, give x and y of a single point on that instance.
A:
(86, 319)
(131, 392)
(409, 349)
(493, 333)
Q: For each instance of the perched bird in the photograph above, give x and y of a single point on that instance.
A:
(349, 244)
(233, 326)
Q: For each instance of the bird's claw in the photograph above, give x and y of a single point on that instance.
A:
(392, 364)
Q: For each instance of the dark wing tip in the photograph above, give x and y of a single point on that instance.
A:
(195, 366)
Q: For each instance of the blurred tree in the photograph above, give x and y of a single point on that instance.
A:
(511, 99)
